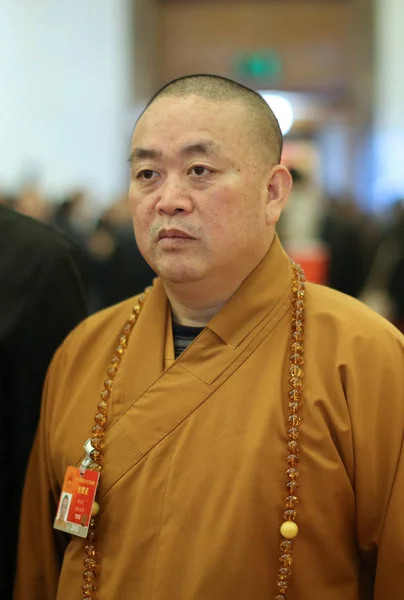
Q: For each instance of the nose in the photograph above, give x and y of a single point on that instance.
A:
(173, 197)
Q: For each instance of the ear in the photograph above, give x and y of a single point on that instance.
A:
(278, 189)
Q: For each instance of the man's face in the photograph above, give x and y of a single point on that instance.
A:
(199, 190)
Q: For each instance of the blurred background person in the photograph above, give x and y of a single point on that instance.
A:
(351, 238)
(41, 300)
(117, 269)
(31, 202)
(74, 216)
(300, 226)
(386, 280)
(300, 223)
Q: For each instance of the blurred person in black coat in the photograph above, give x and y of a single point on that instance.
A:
(41, 300)
(117, 269)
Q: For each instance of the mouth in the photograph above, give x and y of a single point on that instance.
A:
(174, 234)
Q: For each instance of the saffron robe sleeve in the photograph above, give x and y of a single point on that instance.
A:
(369, 382)
(193, 485)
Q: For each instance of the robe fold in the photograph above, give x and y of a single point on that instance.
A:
(194, 481)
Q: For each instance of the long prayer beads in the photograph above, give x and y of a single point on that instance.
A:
(289, 528)
(91, 561)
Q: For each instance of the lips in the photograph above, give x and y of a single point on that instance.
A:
(174, 234)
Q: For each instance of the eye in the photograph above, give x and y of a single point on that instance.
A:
(146, 174)
(200, 170)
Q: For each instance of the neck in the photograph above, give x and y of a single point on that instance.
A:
(192, 316)
(196, 303)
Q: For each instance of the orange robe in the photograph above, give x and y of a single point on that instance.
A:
(193, 487)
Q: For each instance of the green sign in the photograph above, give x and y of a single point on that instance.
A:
(261, 64)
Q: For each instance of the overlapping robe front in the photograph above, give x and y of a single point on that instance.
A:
(193, 484)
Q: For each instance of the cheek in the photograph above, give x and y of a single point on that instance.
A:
(217, 219)
(234, 213)
(141, 211)
(132, 199)
(223, 225)
(141, 227)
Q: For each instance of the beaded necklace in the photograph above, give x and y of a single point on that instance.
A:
(289, 528)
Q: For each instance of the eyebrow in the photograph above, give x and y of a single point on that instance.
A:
(143, 153)
(206, 148)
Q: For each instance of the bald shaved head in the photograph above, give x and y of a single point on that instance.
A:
(264, 126)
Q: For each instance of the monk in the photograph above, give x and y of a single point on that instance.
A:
(247, 427)
(62, 516)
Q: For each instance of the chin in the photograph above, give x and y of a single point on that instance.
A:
(178, 278)
(179, 274)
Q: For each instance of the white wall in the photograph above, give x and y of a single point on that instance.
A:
(65, 92)
(389, 100)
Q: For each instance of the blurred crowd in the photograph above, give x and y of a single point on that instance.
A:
(113, 266)
(364, 252)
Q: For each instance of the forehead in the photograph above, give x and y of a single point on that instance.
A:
(177, 121)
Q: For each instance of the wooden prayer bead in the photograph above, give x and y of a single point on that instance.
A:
(293, 433)
(294, 420)
(286, 559)
(289, 530)
(286, 546)
(295, 394)
(96, 456)
(108, 384)
(90, 563)
(282, 585)
(89, 590)
(103, 407)
(100, 419)
(285, 572)
(294, 407)
(291, 473)
(294, 447)
(292, 486)
(91, 550)
(291, 501)
(112, 371)
(289, 514)
(97, 443)
(95, 510)
(105, 394)
(292, 459)
(92, 536)
(98, 430)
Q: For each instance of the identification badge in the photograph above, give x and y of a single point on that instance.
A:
(76, 501)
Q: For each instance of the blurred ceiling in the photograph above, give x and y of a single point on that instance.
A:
(320, 50)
